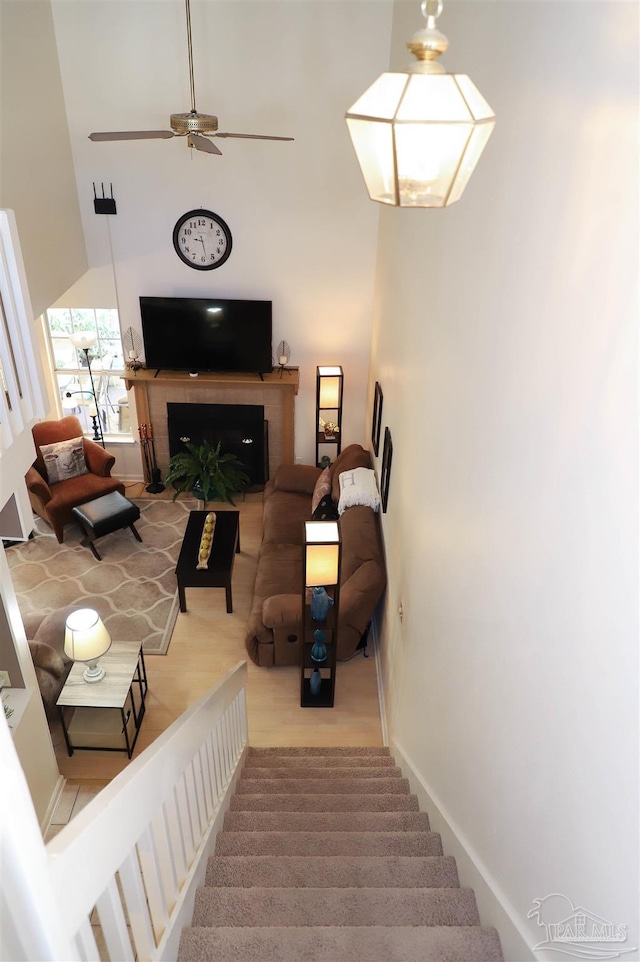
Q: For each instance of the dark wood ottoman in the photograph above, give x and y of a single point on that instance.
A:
(104, 515)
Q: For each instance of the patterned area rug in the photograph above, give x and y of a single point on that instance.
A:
(134, 586)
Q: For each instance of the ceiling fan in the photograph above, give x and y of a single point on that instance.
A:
(192, 125)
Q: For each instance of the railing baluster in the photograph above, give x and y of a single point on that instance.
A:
(242, 703)
(206, 781)
(86, 942)
(192, 796)
(215, 736)
(114, 924)
(227, 753)
(176, 835)
(137, 908)
(152, 878)
(233, 716)
(199, 787)
(157, 816)
(172, 854)
(211, 772)
(184, 819)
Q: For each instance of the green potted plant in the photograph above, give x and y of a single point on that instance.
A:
(202, 471)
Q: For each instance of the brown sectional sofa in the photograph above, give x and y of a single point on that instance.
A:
(274, 628)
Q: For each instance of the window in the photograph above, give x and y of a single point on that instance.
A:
(107, 367)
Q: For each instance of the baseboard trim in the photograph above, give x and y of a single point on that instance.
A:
(51, 807)
(494, 907)
(381, 702)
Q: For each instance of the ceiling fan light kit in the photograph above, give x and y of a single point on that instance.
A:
(192, 125)
(418, 135)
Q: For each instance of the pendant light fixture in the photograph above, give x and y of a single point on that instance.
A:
(418, 135)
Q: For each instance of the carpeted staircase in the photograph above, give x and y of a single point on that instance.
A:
(325, 857)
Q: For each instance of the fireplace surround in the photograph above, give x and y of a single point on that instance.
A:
(153, 391)
(240, 429)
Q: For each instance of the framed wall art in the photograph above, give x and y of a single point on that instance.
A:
(385, 476)
(376, 423)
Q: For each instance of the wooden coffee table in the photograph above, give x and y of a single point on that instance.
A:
(225, 546)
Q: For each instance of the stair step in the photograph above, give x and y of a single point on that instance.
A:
(326, 822)
(335, 906)
(336, 944)
(317, 871)
(324, 803)
(292, 751)
(318, 761)
(322, 786)
(328, 843)
(300, 772)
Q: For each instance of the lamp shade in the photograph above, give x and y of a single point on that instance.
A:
(322, 553)
(83, 340)
(86, 639)
(418, 135)
(330, 386)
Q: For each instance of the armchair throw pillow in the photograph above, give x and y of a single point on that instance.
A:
(64, 460)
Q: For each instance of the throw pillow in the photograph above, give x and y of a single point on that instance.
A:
(326, 510)
(358, 487)
(64, 460)
(322, 488)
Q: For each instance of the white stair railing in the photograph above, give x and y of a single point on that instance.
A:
(137, 851)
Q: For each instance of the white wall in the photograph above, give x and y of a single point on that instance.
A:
(506, 346)
(36, 170)
(304, 232)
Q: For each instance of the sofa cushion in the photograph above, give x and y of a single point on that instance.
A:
(360, 540)
(322, 488)
(353, 456)
(360, 594)
(280, 570)
(64, 459)
(283, 517)
(299, 478)
(285, 609)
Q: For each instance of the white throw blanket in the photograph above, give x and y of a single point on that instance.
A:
(358, 487)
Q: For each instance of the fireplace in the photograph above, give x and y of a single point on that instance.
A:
(240, 429)
(154, 390)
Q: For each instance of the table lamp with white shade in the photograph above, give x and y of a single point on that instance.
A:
(86, 639)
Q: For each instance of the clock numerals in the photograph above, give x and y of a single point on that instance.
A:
(202, 240)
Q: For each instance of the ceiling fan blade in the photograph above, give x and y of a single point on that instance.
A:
(131, 135)
(201, 143)
(250, 136)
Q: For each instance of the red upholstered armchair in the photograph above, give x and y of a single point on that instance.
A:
(54, 501)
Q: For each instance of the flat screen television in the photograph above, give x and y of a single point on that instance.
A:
(206, 334)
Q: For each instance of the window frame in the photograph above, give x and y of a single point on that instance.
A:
(112, 403)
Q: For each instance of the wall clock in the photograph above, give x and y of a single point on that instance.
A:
(202, 239)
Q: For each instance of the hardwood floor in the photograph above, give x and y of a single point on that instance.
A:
(206, 642)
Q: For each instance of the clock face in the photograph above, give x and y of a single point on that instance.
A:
(202, 240)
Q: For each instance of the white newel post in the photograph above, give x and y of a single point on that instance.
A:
(30, 925)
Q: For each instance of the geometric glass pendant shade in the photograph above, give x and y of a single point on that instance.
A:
(418, 135)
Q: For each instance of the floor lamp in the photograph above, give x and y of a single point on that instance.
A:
(84, 343)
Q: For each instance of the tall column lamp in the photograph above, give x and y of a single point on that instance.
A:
(329, 390)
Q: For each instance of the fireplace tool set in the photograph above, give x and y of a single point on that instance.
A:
(151, 469)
